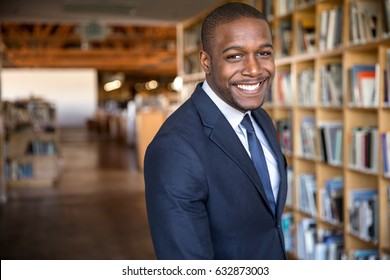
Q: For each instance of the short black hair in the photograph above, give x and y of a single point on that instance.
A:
(224, 14)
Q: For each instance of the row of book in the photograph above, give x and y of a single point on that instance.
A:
(364, 86)
(369, 21)
(311, 242)
(323, 244)
(33, 113)
(364, 149)
(364, 81)
(16, 171)
(42, 147)
(325, 142)
(332, 196)
(315, 243)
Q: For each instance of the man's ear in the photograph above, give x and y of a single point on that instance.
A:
(205, 61)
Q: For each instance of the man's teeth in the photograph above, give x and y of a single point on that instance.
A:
(249, 87)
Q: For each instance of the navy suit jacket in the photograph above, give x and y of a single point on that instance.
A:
(204, 197)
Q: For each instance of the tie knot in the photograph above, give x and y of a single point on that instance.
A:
(247, 123)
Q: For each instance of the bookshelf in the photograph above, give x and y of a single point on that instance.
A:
(32, 154)
(317, 44)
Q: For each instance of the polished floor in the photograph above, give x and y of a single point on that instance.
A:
(96, 210)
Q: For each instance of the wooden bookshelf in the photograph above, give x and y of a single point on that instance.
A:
(32, 156)
(290, 57)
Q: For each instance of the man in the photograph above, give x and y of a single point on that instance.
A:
(205, 196)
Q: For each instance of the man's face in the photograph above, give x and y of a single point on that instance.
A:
(240, 67)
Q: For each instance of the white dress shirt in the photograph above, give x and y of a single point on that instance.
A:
(234, 117)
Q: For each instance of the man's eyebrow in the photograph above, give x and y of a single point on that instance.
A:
(237, 47)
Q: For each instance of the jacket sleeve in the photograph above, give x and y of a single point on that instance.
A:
(176, 195)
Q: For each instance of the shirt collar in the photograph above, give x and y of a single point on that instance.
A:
(233, 116)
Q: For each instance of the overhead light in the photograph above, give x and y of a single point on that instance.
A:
(112, 85)
(153, 84)
(177, 83)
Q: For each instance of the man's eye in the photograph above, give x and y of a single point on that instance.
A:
(234, 56)
(265, 53)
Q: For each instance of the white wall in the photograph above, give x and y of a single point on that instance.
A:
(73, 91)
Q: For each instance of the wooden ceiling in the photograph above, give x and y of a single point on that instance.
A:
(139, 50)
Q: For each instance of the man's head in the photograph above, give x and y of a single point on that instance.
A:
(237, 55)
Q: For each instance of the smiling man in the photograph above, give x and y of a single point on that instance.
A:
(215, 176)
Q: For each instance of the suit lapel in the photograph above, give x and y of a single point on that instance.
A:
(224, 136)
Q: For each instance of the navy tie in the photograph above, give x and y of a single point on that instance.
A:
(258, 159)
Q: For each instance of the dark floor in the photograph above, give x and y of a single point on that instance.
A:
(96, 211)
